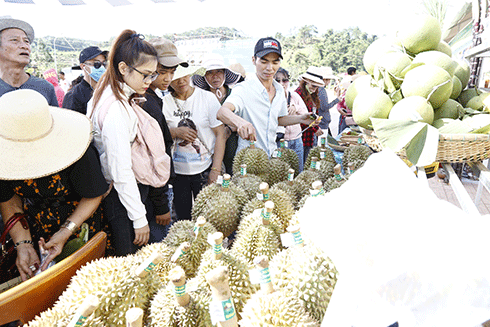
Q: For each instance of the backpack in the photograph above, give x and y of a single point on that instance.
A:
(150, 161)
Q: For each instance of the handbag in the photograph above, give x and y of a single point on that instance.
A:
(8, 253)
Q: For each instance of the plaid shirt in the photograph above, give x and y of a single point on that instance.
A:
(309, 134)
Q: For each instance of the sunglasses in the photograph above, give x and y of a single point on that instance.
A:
(284, 80)
(97, 64)
(146, 77)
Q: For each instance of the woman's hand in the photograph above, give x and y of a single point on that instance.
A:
(292, 110)
(164, 219)
(187, 134)
(27, 261)
(213, 176)
(141, 235)
(319, 132)
(54, 246)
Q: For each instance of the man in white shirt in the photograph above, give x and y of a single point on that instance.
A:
(257, 106)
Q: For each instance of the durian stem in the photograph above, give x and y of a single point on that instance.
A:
(313, 163)
(298, 239)
(262, 263)
(264, 188)
(177, 276)
(337, 170)
(88, 306)
(217, 239)
(243, 170)
(218, 280)
(181, 250)
(226, 182)
(266, 212)
(200, 222)
(134, 317)
(290, 176)
(351, 167)
(146, 266)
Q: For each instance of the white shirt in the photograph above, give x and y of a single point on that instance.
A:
(201, 107)
(114, 145)
(252, 103)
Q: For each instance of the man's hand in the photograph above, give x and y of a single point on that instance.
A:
(247, 131)
(141, 235)
(307, 119)
(164, 219)
(187, 134)
(319, 132)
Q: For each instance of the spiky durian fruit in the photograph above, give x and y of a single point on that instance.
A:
(194, 233)
(52, 317)
(220, 205)
(247, 182)
(165, 265)
(317, 189)
(283, 208)
(321, 152)
(269, 307)
(240, 285)
(261, 237)
(337, 180)
(279, 171)
(175, 306)
(309, 176)
(356, 154)
(326, 169)
(288, 155)
(256, 159)
(295, 188)
(305, 272)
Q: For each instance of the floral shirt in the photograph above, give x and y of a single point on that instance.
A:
(309, 134)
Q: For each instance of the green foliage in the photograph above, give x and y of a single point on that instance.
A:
(224, 33)
(337, 49)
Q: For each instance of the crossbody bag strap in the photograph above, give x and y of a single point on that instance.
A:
(10, 224)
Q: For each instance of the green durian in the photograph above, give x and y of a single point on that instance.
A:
(52, 317)
(165, 265)
(321, 153)
(309, 176)
(279, 171)
(257, 161)
(356, 154)
(288, 155)
(249, 183)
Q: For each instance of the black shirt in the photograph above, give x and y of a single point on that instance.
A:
(78, 97)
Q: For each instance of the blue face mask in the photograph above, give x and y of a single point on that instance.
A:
(96, 73)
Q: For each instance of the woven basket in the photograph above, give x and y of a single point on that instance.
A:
(451, 148)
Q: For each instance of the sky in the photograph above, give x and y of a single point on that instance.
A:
(99, 21)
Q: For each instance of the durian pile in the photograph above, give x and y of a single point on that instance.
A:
(168, 281)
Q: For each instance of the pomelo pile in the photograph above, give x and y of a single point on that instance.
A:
(413, 76)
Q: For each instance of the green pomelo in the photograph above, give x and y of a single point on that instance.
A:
(428, 80)
(450, 109)
(414, 108)
(392, 62)
(375, 50)
(371, 103)
(419, 33)
(359, 84)
(486, 101)
(463, 72)
(437, 58)
(477, 102)
(467, 95)
(438, 123)
(444, 48)
(457, 88)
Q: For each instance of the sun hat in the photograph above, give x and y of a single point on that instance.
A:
(266, 45)
(238, 68)
(90, 53)
(36, 139)
(189, 70)
(327, 73)
(6, 23)
(167, 52)
(213, 61)
(314, 75)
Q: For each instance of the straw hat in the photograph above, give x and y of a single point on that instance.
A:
(314, 75)
(36, 139)
(213, 61)
(327, 73)
(189, 70)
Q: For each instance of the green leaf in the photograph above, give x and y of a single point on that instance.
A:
(422, 149)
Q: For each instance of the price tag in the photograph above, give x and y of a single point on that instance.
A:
(287, 240)
(221, 310)
(274, 153)
(219, 180)
(255, 276)
(260, 196)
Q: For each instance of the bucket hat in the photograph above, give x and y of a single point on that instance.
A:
(189, 70)
(238, 68)
(167, 52)
(6, 23)
(213, 61)
(313, 75)
(36, 139)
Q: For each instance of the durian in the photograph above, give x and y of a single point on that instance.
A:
(295, 188)
(279, 171)
(218, 280)
(247, 182)
(196, 235)
(240, 285)
(256, 159)
(283, 208)
(356, 154)
(52, 317)
(288, 155)
(269, 307)
(165, 265)
(317, 190)
(322, 152)
(311, 174)
(220, 205)
(337, 181)
(261, 237)
(305, 272)
(176, 306)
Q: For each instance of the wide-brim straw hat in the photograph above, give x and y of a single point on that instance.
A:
(36, 139)
(327, 73)
(214, 61)
(6, 23)
(314, 76)
(189, 70)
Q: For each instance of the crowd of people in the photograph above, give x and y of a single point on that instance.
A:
(84, 162)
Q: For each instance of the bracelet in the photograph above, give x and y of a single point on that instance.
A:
(23, 242)
(70, 225)
(216, 169)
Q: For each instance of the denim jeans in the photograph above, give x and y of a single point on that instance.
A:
(297, 146)
(186, 188)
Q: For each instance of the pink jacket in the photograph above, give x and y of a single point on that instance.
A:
(293, 131)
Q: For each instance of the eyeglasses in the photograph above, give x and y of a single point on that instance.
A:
(97, 64)
(146, 77)
(284, 80)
